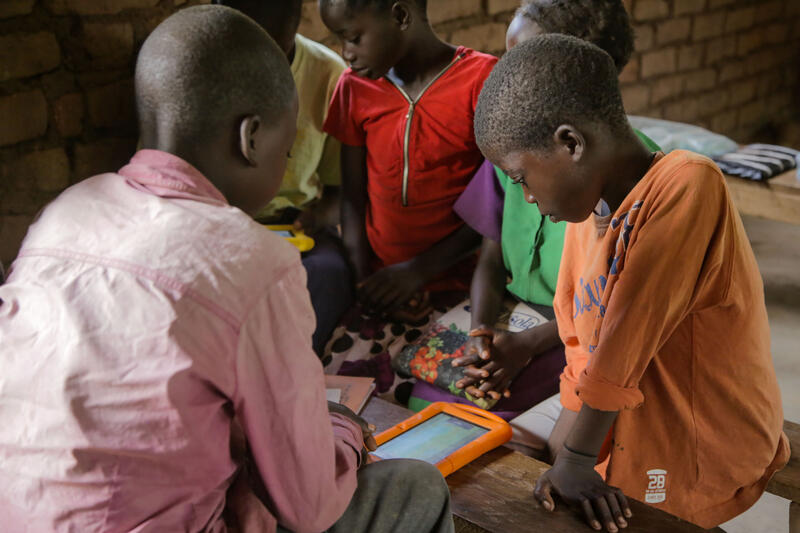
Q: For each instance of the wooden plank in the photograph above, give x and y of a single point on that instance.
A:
(786, 483)
(776, 199)
(494, 493)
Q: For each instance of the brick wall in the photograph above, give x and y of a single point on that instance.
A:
(66, 103)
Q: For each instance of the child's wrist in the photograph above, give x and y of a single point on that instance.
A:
(574, 457)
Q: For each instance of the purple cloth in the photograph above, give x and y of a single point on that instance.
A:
(537, 382)
(481, 203)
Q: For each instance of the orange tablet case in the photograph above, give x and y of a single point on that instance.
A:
(498, 434)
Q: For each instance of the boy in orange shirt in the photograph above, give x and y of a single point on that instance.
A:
(659, 300)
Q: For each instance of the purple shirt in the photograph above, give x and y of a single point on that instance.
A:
(480, 206)
(142, 314)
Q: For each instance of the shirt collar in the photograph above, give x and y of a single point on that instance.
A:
(168, 176)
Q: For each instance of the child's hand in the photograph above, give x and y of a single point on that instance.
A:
(575, 480)
(507, 357)
(367, 429)
(390, 288)
(306, 222)
(478, 347)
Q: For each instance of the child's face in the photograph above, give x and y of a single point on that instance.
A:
(521, 29)
(555, 181)
(371, 40)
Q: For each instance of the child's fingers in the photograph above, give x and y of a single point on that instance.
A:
(542, 493)
(601, 507)
(465, 360)
(370, 443)
(465, 382)
(616, 511)
(476, 373)
(474, 391)
(588, 512)
(623, 502)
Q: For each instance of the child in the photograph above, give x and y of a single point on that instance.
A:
(520, 244)
(402, 112)
(661, 299)
(309, 193)
(140, 320)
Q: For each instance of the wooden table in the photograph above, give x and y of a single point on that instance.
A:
(494, 493)
(776, 199)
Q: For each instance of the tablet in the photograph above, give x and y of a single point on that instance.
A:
(300, 240)
(448, 435)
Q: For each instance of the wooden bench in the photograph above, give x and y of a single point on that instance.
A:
(786, 483)
(494, 494)
(776, 199)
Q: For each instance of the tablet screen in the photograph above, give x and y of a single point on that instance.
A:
(431, 441)
(284, 234)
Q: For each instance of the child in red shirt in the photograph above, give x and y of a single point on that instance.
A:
(659, 300)
(403, 113)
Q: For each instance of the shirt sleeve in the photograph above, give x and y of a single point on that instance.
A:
(480, 206)
(341, 121)
(673, 262)
(307, 458)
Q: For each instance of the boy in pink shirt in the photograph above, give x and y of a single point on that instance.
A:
(142, 332)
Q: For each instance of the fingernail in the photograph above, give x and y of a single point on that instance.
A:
(596, 525)
(612, 528)
(547, 506)
(628, 513)
(622, 523)
(371, 427)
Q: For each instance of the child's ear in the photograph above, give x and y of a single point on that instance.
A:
(249, 128)
(401, 15)
(570, 139)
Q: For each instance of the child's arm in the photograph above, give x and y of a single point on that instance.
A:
(393, 286)
(306, 457)
(354, 208)
(575, 480)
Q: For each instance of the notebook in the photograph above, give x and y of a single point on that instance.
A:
(350, 391)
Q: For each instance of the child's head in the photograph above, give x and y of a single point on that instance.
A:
(213, 88)
(280, 18)
(604, 23)
(548, 114)
(375, 34)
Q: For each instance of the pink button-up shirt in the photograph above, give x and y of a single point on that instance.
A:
(142, 314)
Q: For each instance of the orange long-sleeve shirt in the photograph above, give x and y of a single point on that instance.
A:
(663, 318)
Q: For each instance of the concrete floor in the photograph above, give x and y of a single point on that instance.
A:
(777, 249)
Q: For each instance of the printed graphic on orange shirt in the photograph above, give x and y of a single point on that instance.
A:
(656, 486)
(627, 221)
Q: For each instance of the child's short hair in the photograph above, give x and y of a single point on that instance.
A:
(538, 85)
(604, 23)
(206, 64)
(380, 5)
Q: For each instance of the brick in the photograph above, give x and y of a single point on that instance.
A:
(659, 62)
(708, 26)
(24, 117)
(725, 122)
(650, 9)
(630, 72)
(635, 98)
(28, 54)
(701, 80)
(95, 7)
(752, 113)
(690, 57)
(68, 114)
(712, 103)
(776, 33)
(682, 111)
(666, 88)
(15, 8)
(719, 49)
(741, 19)
(12, 232)
(749, 41)
(108, 44)
(743, 91)
(311, 24)
(714, 4)
(487, 37)
(443, 10)
(107, 155)
(762, 61)
(45, 170)
(672, 30)
(111, 105)
(645, 37)
(768, 11)
(685, 7)
(769, 82)
(499, 6)
(780, 102)
(732, 71)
